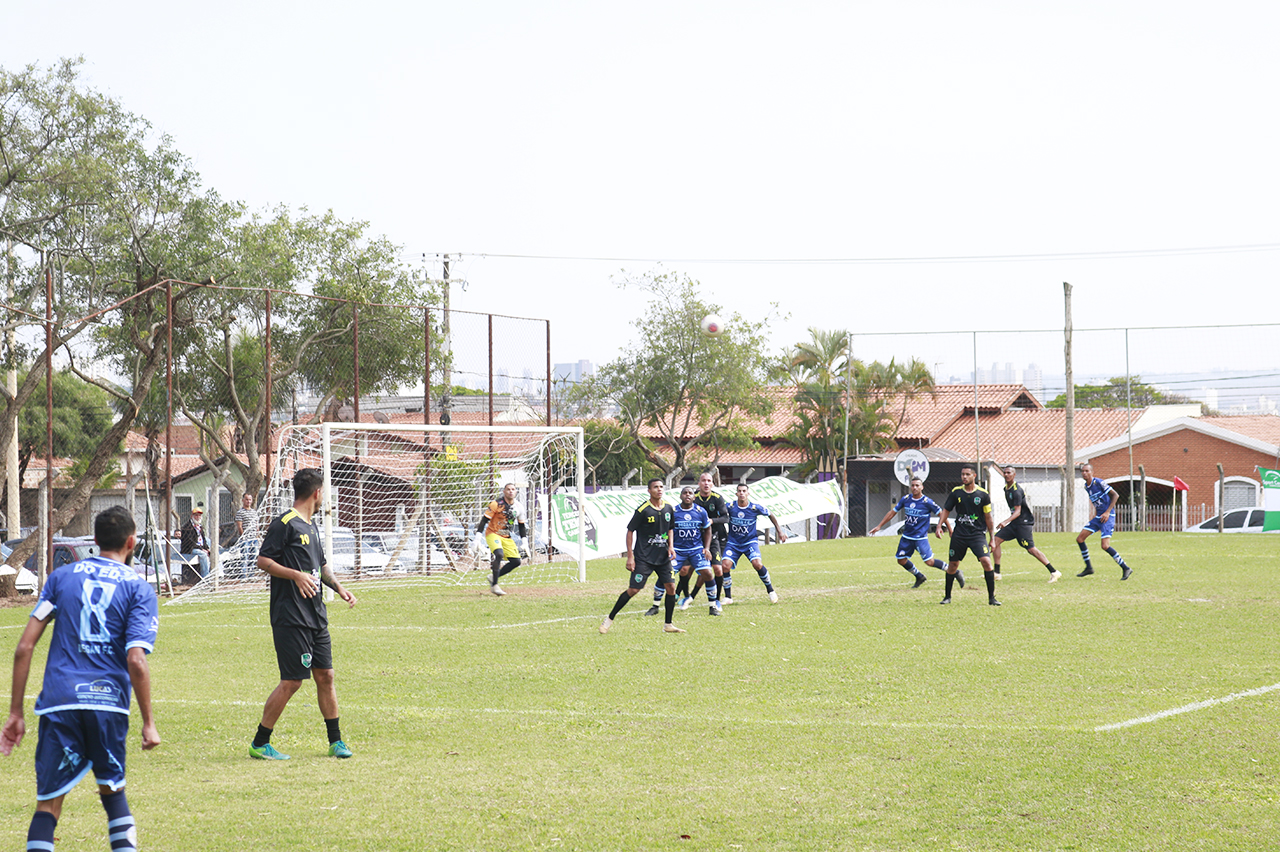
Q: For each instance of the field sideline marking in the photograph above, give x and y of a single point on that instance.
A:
(1199, 705)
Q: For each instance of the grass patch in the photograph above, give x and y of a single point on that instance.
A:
(855, 714)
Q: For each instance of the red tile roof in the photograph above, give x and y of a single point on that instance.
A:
(1031, 436)
(1263, 427)
(925, 417)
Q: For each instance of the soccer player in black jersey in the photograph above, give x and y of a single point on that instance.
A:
(1019, 526)
(973, 529)
(292, 554)
(649, 549)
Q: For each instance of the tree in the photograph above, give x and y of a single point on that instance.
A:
(1113, 395)
(611, 452)
(826, 382)
(81, 412)
(693, 389)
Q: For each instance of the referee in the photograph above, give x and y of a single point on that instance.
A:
(972, 532)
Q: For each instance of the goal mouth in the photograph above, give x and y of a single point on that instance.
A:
(404, 505)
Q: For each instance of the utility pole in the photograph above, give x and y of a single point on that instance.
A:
(1069, 493)
(446, 400)
(13, 514)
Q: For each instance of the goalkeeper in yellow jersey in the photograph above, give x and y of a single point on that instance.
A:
(501, 519)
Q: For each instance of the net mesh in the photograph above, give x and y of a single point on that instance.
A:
(404, 502)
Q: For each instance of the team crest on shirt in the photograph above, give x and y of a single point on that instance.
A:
(306, 661)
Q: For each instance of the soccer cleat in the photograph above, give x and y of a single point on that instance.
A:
(671, 628)
(1127, 571)
(945, 600)
(606, 624)
(960, 578)
(266, 752)
(497, 590)
(719, 608)
(684, 602)
(653, 610)
(993, 602)
(726, 601)
(773, 597)
(339, 749)
(1055, 576)
(996, 574)
(920, 578)
(1085, 573)
(713, 610)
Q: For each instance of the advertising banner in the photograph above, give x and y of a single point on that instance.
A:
(606, 513)
(1270, 498)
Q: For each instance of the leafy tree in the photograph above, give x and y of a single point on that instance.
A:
(693, 389)
(81, 412)
(1113, 395)
(611, 452)
(826, 382)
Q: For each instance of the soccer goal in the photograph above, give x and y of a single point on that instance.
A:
(403, 501)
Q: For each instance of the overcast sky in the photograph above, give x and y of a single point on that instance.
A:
(687, 132)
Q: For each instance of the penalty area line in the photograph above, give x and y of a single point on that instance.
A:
(1199, 705)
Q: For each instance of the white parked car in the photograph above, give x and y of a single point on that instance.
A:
(342, 555)
(1236, 521)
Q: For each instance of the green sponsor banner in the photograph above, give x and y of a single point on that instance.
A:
(605, 514)
(1270, 498)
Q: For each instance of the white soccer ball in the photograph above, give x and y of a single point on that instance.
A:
(712, 326)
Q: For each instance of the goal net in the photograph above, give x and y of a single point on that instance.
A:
(403, 501)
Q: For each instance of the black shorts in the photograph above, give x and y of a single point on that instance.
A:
(640, 575)
(962, 544)
(1024, 533)
(301, 649)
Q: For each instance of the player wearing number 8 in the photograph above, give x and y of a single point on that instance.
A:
(105, 618)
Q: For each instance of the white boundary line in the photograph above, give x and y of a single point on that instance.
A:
(1199, 705)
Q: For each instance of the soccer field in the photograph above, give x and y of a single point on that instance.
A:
(856, 713)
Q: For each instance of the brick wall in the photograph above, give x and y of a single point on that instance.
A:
(1187, 454)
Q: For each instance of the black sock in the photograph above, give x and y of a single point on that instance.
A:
(1049, 565)
(511, 565)
(335, 733)
(997, 567)
(682, 587)
(623, 600)
(262, 737)
(990, 577)
(951, 578)
(495, 562)
(669, 606)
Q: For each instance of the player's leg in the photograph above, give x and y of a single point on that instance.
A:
(122, 829)
(43, 823)
(1125, 570)
(293, 656)
(983, 553)
(1084, 549)
(996, 541)
(726, 575)
(763, 573)
(668, 580)
(905, 548)
(925, 552)
(327, 693)
(58, 734)
(639, 576)
(706, 577)
(682, 583)
(512, 554)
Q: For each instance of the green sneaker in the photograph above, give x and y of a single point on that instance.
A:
(266, 752)
(339, 749)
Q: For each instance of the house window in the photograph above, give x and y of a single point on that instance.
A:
(1239, 494)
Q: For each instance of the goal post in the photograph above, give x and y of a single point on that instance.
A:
(403, 500)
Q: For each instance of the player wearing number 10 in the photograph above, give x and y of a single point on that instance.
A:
(105, 619)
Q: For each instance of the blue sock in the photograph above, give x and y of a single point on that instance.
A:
(712, 592)
(728, 586)
(939, 564)
(910, 567)
(764, 578)
(1084, 553)
(658, 594)
(121, 829)
(40, 834)
(1111, 551)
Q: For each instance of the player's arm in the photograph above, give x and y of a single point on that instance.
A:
(1115, 498)
(16, 726)
(782, 537)
(883, 521)
(327, 577)
(306, 583)
(1017, 510)
(990, 524)
(942, 523)
(631, 556)
(140, 679)
(706, 540)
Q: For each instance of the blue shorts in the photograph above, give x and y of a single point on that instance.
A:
(908, 546)
(694, 558)
(1096, 525)
(734, 552)
(71, 742)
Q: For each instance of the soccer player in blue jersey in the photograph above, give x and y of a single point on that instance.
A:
(743, 542)
(1102, 503)
(292, 554)
(915, 532)
(692, 534)
(105, 618)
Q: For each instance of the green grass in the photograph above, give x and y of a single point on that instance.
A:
(855, 714)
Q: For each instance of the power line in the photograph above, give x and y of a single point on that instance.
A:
(817, 261)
